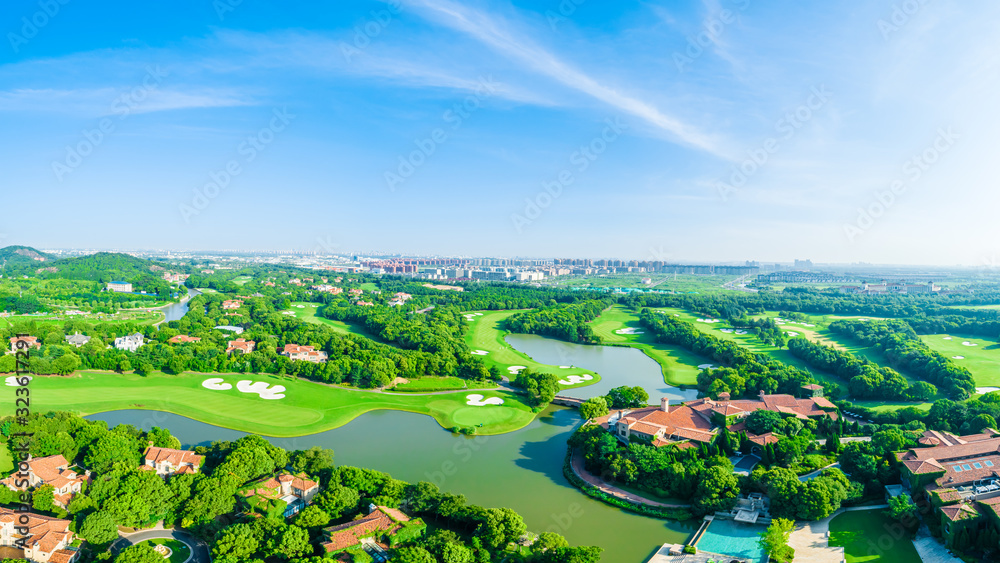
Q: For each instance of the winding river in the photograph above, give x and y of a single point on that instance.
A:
(521, 470)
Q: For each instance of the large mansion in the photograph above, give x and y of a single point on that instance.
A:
(47, 539)
(50, 470)
(304, 353)
(960, 476)
(699, 421)
(372, 533)
(296, 491)
(166, 461)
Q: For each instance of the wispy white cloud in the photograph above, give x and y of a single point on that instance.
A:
(108, 100)
(499, 35)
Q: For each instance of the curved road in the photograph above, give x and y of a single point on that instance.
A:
(199, 554)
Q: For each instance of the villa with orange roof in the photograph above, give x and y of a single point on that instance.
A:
(286, 492)
(232, 304)
(47, 539)
(959, 475)
(698, 421)
(304, 353)
(183, 339)
(240, 345)
(30, 341)
(167, 461)
(377, 531)
(50, 470)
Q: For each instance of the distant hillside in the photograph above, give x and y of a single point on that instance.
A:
(22, 256)
(103, 267)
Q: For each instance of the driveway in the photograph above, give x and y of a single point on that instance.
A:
(199, 553)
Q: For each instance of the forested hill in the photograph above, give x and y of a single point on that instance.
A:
(103, 267)
(22, 256)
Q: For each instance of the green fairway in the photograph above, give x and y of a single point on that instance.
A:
(983, 359)
(307, 407)
(679, 366)
(869, 536)
(307, 312)
(485, 335)
(242, 280)
(429, 383)
(6, 460)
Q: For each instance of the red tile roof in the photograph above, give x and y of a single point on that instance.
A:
(381, 520)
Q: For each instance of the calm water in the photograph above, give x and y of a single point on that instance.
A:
(521, 470)
(617, 365)
(176, 311)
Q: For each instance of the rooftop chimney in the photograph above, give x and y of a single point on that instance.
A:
(665, 404)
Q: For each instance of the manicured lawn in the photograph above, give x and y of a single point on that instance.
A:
(983, 359)
(433, 384)
(140, 318)
(179, 550)
(242, 280)
(6, 460)
(307, 407)
(869, 536)
(679, 366)
(487, 335)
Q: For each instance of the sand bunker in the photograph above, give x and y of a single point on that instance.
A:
(216, 384)
(958, 357)
(676, 314)
(300, 306)
(565, 367)
(791, 333)
(479, 352)
(708, 321)
(574, 379)
(12, 380)
(706, 366)
(514, 370)
(292, 313)
(807, 324)
(261, 388)
(726, 330)
(967, 343)
(947, 338)
(987, 389)
(741, 332)
(478, 401)
(629, 331)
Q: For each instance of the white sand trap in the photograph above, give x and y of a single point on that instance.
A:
(958, 357)
(862, 320)
(947, 338)
(300, 306)
(726, 330)
(479, 314)
(216, 384)
(779, 322)
(676, 314)
(514, 370)
(479, 352)
(629, 331)
(741, 332)
(987, 389)
(478, 401)
(574, 379)
(261, 388)
(791, 333)
(706, 366)
(709, 321)
(967, 343)
(808, 325)
(292, 313)
(12, 380)
(565, 367)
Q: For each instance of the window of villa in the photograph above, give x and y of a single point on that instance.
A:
(977, 465)
(966, 467)
(957, 468)
(988, 463)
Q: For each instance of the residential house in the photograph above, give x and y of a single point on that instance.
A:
(183, 339)
(29, 341)
(378, 530)
(120, 287)
(960, 476)
(230, 328)
(304, 353)
(50, 470)
(240, 345)
(167, 461)
(699, 421)
(232, 304)
(286, 492)
(130, 342)
(77, 339)
(399, 298)
(47, 540)
(355, 291)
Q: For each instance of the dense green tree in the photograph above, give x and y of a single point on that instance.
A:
(99, 528)
(594, 407)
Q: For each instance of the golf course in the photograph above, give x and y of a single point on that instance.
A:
(975, 354)
(300, 408)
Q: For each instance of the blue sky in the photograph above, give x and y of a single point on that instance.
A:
(713, 130)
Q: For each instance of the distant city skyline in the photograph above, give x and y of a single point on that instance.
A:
(702, 131)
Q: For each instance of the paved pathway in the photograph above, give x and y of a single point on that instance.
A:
(577, 464)
(818, 472)
(199, 553)
(930, 550)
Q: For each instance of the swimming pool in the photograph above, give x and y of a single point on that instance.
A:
(727, 537)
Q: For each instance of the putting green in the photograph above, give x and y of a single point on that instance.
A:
(486, 334)
(307, 407)
(679, 367)
(982, 360)
(866, 536)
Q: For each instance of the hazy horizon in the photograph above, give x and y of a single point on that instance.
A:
(570, 129)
